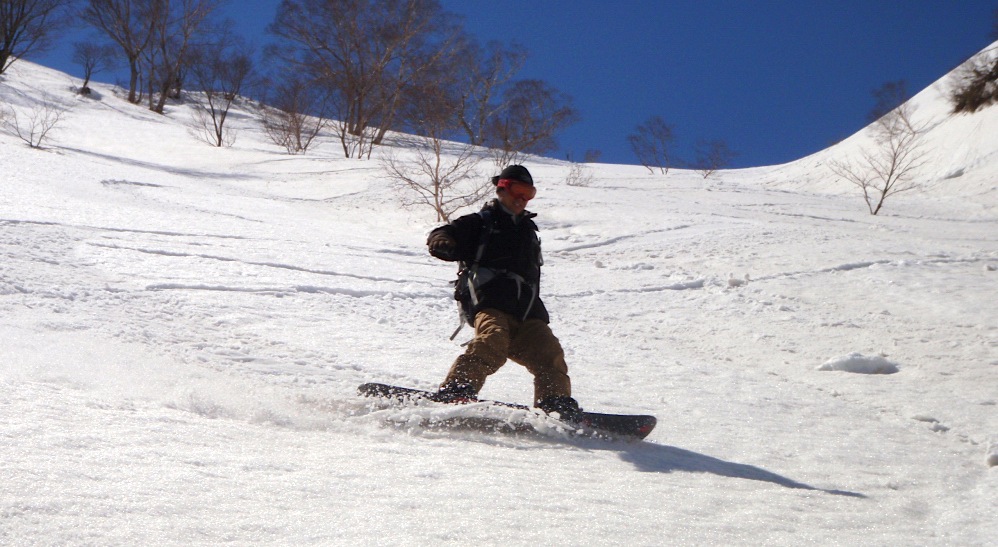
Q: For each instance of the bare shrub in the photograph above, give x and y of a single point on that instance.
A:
(34, 126)
(205, 126)
(651, 143)
(295, 131)
(298, 118)
(579, 174)
(592, 156)
(711, 156)
(975, 84)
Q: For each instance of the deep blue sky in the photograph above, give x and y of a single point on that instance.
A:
(776, 79)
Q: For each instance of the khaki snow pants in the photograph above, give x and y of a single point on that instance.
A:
(530, 343)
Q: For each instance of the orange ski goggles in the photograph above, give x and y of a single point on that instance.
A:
(517, 189)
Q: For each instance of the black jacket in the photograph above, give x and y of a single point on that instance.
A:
(512, 253)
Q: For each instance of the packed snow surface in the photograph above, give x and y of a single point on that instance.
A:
(183, 328)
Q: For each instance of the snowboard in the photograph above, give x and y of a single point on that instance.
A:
(588, 424)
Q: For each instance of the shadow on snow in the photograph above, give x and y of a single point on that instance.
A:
(655, 458)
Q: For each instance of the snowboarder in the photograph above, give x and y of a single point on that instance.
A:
(498, 288)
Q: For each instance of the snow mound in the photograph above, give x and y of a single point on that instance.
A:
(860, 364)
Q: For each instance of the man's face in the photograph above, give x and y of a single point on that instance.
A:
(516, 205)
(514, 195)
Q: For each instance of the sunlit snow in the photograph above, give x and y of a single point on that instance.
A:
(182, 330)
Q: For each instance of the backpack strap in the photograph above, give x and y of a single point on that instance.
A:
(488, 223)
(468, 273)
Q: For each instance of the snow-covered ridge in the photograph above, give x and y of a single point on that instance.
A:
(961, 151)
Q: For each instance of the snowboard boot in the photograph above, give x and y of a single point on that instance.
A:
(455, 393)
(566, 407)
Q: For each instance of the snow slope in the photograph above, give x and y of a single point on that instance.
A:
(182, 329)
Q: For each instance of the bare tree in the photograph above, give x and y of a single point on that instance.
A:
(445, 180)
(888, 97)
(299, 115)
(34, 126)
(534, 113)
(93, 58)
(651, 144)
(129, 24)
(509, 117)
(889, 166)
(27, 26)
(711, 156)
(485, 76)
(437, 172)
(220, 70)
(425, 70)
(366, 53)
(176, 26)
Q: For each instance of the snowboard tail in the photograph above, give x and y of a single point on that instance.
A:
(592, 424)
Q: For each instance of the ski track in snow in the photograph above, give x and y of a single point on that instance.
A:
(182, 337)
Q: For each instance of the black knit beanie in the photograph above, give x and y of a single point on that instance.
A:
(515, 172)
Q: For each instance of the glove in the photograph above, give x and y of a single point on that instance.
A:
(442, 246)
